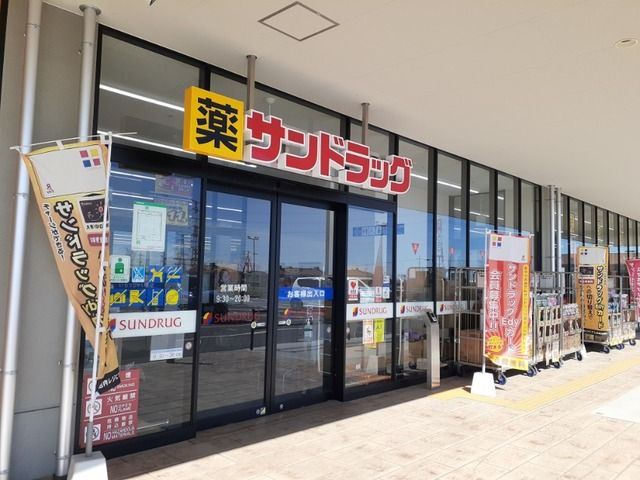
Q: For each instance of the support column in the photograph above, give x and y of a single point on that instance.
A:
(12, 331)
(67, 395)
(365, 122)
(558, 232)
(251, 81)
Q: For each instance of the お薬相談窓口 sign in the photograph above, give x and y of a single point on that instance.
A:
(215, 125)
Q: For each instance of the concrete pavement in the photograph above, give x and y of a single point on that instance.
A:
(544, 427)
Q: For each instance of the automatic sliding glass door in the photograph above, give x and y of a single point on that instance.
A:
(235, 300)
(304, 313)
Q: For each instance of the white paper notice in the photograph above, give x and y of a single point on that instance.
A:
(592, 255)
(149, 227)
(508, 248)
(166, 347)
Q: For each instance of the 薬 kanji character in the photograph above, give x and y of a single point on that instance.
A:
(217, 124)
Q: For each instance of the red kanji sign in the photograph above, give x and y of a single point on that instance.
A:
(115, 412)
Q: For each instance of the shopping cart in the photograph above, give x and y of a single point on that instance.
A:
(572, 341)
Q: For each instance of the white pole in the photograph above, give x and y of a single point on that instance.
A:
(96, 338)
(552, 228)
(485, 296)
(559, 223)
(67, 395)
(12, 331)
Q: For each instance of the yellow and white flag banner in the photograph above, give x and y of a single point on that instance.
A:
(69, 182)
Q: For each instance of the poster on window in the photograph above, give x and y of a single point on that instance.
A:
(149, 227)
(593, 290)
(69, 183)
(115, 412)
(506, 310)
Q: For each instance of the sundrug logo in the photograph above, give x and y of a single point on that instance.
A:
(143, 324)
(413, 309)
(373, 310)
(368, 311)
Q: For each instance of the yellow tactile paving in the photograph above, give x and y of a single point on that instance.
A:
(537, 400)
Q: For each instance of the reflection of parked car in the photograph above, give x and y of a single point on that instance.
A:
(311, 291)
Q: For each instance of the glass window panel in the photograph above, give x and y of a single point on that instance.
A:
(378, 142)
(135, 98)
(601, 234)
(589, 225)
(564, 245)
(234, 296)
(507, 205)
(450, 242)
(163, 362)
(480, 215)
(228, 87)
(624, 244)
(305, 301)
(613, 243)
(633, 239)
(575, 228)
(413, 257)
(529, 205)
(369, 334)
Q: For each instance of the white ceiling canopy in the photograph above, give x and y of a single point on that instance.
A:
(539, 89)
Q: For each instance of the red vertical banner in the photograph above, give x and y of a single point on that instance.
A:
(633, 267)
(506, 306)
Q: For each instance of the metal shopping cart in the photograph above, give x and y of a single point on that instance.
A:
(469, 325)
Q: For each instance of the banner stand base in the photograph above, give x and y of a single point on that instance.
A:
(88, 468)
(483, 384)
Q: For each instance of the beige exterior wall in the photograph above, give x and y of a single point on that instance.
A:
(43, 308)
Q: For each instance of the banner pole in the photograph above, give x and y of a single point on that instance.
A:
(96, 342)
(484, 300)
(71, 341)
(12, 326)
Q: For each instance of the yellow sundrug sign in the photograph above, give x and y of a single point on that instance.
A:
(213, 124)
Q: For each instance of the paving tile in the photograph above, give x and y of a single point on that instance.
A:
(508, 457)
(408, 434)
(531, 471)
(560, 457)
(475, 471)
(632, 472)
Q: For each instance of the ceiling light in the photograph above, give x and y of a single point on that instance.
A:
(626, 42)
(142, 98)
(421, 177)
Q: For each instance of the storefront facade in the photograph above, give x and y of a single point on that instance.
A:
(303, 289)
(279, 290)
